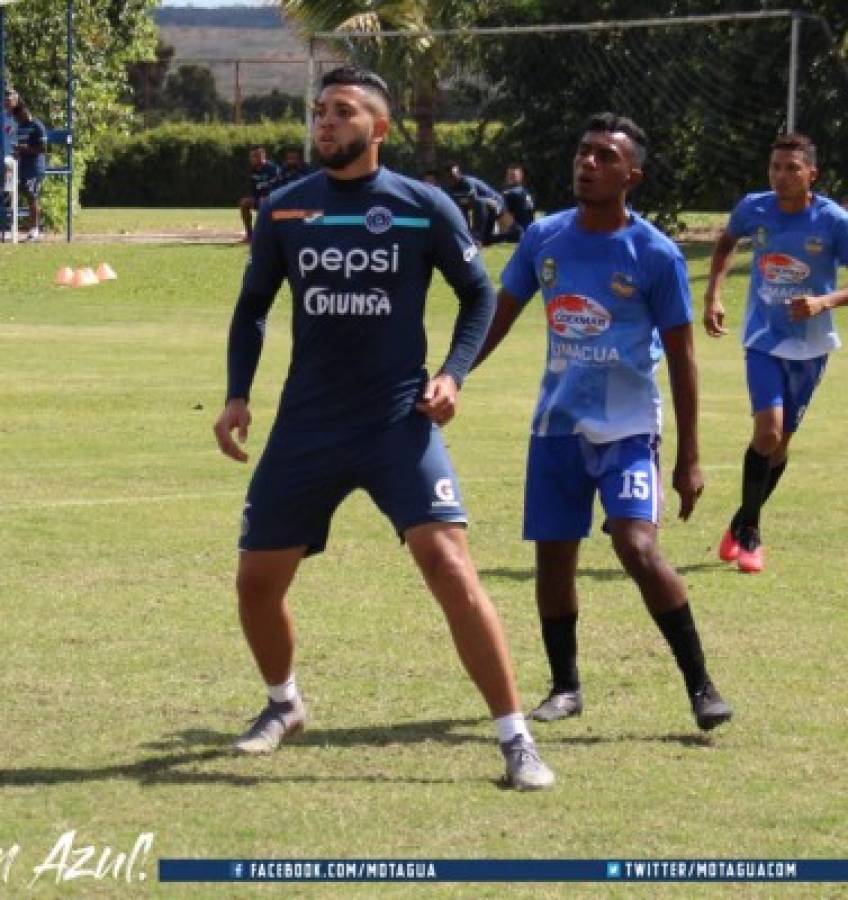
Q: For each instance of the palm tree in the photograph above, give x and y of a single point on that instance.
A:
(415, 62)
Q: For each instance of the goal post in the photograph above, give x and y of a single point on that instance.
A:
(711, 92)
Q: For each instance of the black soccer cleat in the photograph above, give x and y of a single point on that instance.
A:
(709, 708)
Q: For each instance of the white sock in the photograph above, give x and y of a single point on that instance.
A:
(510, 725)
(285, 692)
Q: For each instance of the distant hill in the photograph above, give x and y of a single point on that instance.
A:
(220, 17)
(215, 37)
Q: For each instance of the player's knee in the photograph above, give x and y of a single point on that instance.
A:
(767, 440)
(638, 554)
(254, 586)
(450, 575)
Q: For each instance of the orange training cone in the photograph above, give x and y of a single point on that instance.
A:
(84, 278)
(65, 276)
(105, 272)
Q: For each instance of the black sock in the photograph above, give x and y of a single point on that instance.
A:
(755, 476)
(774, 475)
(678, 628)
(560, 636)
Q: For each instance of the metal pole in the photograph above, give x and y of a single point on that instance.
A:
(792, 92)
(308, 100)
(237, 93)
(69, 151)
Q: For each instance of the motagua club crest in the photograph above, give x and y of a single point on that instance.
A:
(378, 219)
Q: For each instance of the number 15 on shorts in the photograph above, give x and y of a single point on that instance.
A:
(635, 486)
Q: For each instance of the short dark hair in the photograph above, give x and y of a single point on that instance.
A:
(363, 78)
(254, 147)
(612, 122)
(794, 140)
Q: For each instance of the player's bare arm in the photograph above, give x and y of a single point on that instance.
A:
(507, 311)
(687, 479)
(719, 266)
(806, 306)
(234, 417)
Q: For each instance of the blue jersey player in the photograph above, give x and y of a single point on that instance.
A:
(799, 239)
(615, 295)
(358, 244)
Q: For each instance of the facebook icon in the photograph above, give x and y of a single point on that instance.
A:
(237, 870)
(613, 870)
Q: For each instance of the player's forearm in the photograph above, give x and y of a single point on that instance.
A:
(506, 313)
(835, 299)
(244, 346)
(683, 379)
(719, 265)
(476, 308)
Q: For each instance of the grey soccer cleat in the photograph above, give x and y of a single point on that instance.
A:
(709, 709)
(525, 771)
(276, 722)
(559, 705)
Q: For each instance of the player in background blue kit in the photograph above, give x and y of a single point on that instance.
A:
(799, 239)
(615, 294)
(358, 245)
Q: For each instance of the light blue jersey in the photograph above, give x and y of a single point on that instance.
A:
(607, 296)
(794, 254)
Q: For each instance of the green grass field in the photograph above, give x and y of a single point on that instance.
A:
(124, 674)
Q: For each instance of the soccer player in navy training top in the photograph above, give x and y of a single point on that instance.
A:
(264, 177)
(615, 294)
(31, 153)
(799, 240)
(358, 244)
(481, 204)
(519, 203)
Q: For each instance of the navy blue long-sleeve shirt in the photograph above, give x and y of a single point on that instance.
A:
(359, 256)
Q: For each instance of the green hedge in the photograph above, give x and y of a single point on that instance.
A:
(206, 165)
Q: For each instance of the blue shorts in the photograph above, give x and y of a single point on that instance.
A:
(563, 473)
(790, 383)
(302, 478)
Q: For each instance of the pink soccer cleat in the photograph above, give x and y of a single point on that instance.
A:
(728, 549)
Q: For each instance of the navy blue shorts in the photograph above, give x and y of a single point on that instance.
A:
(32, 185)
(565, 471)
(302, 478)
(790, 383)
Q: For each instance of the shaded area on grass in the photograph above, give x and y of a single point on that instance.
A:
(165, 769)
(617, 574)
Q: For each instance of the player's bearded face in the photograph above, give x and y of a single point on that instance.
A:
(343, 154)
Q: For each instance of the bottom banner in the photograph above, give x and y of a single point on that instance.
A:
(483, 870)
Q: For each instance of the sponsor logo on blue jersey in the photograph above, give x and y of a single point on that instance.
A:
(780, 268)
(564, 352)
(575, 316)
(349, 262)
